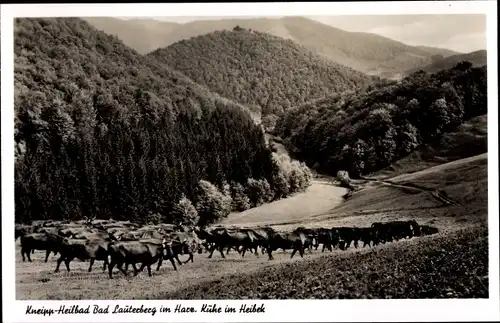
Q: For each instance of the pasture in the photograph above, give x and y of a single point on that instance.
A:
(452, 263)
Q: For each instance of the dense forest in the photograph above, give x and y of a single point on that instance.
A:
(366, 52)
(102, 131)
(365, 132)
(259, 69)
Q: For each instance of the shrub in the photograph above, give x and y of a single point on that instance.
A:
(289, 176)
(240, 201)
(211, 204)
(184, 212)
(280, 185)
(308, 175)
(297, 178)
(259, 191)
(152, 218)
(344, 179)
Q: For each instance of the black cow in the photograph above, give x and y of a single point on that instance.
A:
(367, 236)
(428, 230)
(285, 241)
(40, 241)
(223, 237)
(311, 237)
(346, 235)
(185, 243)
(91, 249)
(21, 230)
(146, 252)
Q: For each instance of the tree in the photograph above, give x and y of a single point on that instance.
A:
(297, 178)
(211, 204)
(454, 103)
(308, 176)
(358, 152)
(280, 179)
(439, 116)
(240, 201)
(463, 66)
(379, 119)
(412, 111)
(152, 218)
(269, 122)
(409, 138)
(386, 147)
(280, 185)
(184, 213)
(259, 191)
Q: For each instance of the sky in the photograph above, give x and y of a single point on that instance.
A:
(462, 33)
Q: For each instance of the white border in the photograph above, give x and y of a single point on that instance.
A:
(352, 310)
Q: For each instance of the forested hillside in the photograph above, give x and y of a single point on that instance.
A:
(259, 69)
(366, 132)
(477, 58)
(366, 52)
(103, 131)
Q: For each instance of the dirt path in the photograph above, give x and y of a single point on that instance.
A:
(405, 181)
(437, 194)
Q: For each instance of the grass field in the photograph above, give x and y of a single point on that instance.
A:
(320, 198)
(452, 263)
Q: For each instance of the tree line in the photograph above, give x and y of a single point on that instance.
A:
(365, 132)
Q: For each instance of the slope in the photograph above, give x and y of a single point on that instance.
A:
(477, 58)
(103, 131)
(369, 53)
(366, 132)
(468, 139)
(259, 69)
(437, 51)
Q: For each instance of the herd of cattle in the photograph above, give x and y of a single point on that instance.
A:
(119, 243)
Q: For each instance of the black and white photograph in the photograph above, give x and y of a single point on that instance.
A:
(258, 157)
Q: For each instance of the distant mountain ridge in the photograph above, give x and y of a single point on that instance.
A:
(259, 69)
(368, 53)
(477, 58)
